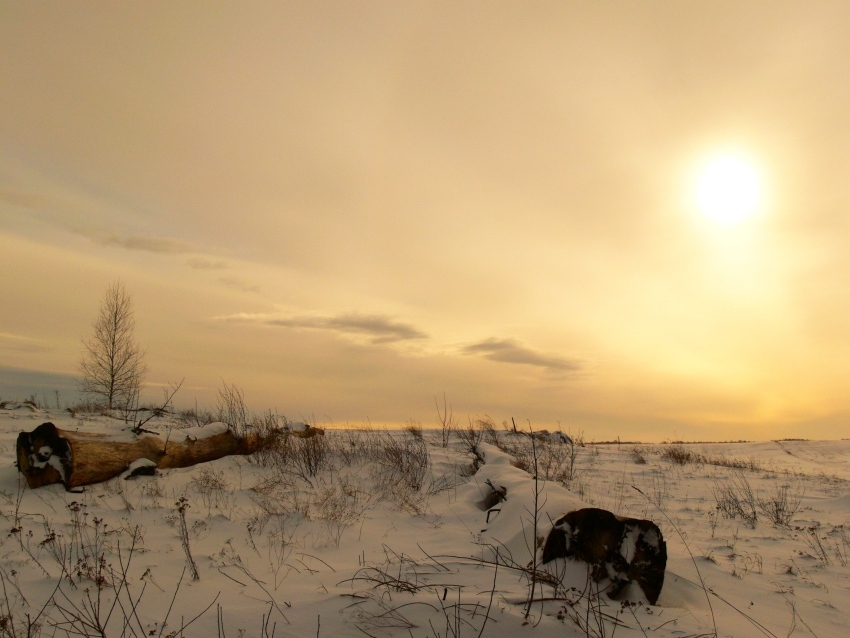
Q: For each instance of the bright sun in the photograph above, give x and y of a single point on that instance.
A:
(728, 189)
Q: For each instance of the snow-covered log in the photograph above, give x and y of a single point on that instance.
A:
(49, 455)
(303, 430)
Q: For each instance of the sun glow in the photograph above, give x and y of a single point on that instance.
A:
(728, 189)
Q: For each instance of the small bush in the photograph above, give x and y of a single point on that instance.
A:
(308, 456)
(193, 417)
(353, 446)
(736, 499)
(488, 428)
(402, 462)
(517, 446)
(232, 409)
(340, 503)
(750, 464)
(554, 461)
(445, 421)
(781, 506)
(679, 455)
(212, 487)
(87, 406)
(637, 456)
(265, 432)
(470, 437)
(414, 429)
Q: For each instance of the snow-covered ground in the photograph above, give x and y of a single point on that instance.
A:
(360, 547)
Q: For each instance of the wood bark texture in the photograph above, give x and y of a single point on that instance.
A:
(49, 455)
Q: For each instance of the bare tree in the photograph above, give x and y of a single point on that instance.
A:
(446, 421)
(113, 364)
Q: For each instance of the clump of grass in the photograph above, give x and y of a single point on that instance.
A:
(87, 407)
(260, 432)
(817, 544)
(781, 506)
(736, 499)
(353, 446)
(340, 504)
(232, 409)
(402, 462)
(555, 458)
(488, 428)
(470, 437)
(414, 429)
(679, 455)
(516, 446)
(213, 488)
(195, 417)
(750, 464)
(637, 456)
(309, 456)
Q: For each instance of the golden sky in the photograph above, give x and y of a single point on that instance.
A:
(349, 208)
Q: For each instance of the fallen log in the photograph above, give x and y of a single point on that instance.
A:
(49, 455)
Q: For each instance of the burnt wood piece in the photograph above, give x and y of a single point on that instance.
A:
(493, 497)
(618, 549)
(49, 455)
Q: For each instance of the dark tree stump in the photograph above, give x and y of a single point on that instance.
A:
(618, 549)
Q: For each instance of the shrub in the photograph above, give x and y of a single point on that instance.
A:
(232, 409)
(193, 417)
(781, 506)
(414, 429)
(516, 445)
(554, 461)
(212, 487)
(488, 428)
(352, 446)
(470, 437)
(402, 462)
(265, 434)
(445, 421)
(736, 499)
(88, 406)
(308, 456)
(750, 464)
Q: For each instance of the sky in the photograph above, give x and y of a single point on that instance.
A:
(351, 209)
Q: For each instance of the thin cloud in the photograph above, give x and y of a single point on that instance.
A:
(202, 263)
(21, 343)
(510, 351)
(148, 243)
(145, 243)
(379, 329)
(23, 200)
(238, 284)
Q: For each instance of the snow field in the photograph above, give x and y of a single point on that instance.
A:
(382, 533)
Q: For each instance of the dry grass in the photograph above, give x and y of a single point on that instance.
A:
(681, 455)
(736, 499)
